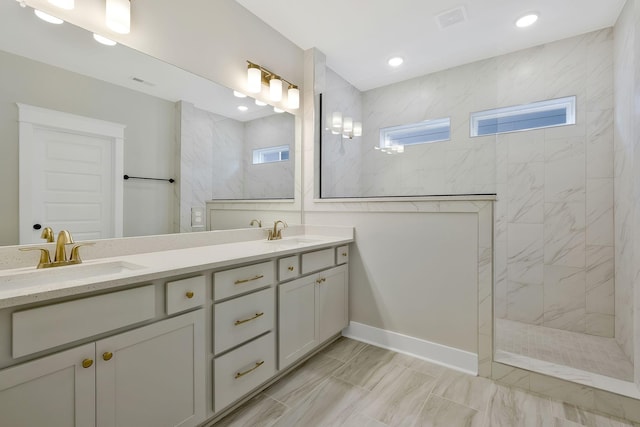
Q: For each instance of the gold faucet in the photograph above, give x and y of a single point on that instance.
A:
(254, 222)
(276, 233)
(60, 255)
(47, 234)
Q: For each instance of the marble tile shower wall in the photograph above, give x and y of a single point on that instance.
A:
(554, 216)
(271, 180)
(341, 158)
(625, 59)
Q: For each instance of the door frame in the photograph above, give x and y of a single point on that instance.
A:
(30, 118)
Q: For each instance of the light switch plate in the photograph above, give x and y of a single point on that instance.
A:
(197, 216)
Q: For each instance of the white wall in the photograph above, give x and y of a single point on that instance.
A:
(148, 147)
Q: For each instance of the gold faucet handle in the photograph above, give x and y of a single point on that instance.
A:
(45, 257)
(75, 252)
(47, 234)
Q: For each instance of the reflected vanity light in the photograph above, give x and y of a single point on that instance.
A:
(260, 103)
(278, 110)
(118, 16)
(257, 76)
(103, 40)
(63, 4)
(239, 94)
(343, 125)
(48, 18)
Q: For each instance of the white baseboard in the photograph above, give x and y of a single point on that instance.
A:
(450, 357)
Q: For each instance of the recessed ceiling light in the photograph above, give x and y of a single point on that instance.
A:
(278, 110)
(260, 103)
(396, 61)
(243, 108)
(526, 20)
(239, 94)
(105, 41)
(46, 17)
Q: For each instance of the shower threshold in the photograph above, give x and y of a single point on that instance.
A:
(593, 361)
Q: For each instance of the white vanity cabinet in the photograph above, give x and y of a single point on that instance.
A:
(311, 310)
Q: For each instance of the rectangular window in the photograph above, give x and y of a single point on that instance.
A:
(271, 154)
(544, 114)
(396, 137)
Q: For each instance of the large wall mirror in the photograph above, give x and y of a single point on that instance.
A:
(214, 144)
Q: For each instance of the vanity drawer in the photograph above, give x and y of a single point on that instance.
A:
(317, 260)
(288, 268)
(185, 294)
(243, 279)
(56, 324)
(245, 368)
(342, 254)
(241, 319)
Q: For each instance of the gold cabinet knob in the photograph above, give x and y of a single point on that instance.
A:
(107, 355)
(86, 363)
(344, 254)
(189, 294)
(291, 268)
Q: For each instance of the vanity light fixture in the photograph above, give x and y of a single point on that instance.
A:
(48, 18)
(63, 4)
(103, 40)
(527, 20)
(344, 126)
(118, 16)
(257, 76)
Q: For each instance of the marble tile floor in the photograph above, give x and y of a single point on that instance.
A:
(588, 353)
(358, 385)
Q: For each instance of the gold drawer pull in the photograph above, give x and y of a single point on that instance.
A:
(107, 355)
(189, 294)
(242, 374)
(237, 282)
(321, 280)
(240, 322)
(344, 254)
(290, 268)
(86, 363)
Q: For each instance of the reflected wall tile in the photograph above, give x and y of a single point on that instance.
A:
(600, 324)
(564, 302)
(600, 211)
(525, 303)
(564, 234)
(525, 196)
(565, 170)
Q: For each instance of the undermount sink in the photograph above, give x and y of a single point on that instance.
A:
(293, 242)
(88, 270)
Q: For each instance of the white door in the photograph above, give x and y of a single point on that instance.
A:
(70, 175)
(57, 390)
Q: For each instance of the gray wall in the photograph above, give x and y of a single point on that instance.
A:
(148, 148)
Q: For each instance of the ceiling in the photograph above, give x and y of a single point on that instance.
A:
(359, 36)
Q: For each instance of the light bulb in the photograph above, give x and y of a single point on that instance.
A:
(275, 88)
(63, 4)
(293, 97)
(336, 121)
(48, 18)
(254, 79)
(357, 129)
(347, 125)
(103, 40)
(118, 16)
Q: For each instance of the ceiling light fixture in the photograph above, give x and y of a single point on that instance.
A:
(395, 61)
(48, 18)
(103, 40)
(63, 4)
(243, 108)
(527, 20)
(257, 76)
(118, 16)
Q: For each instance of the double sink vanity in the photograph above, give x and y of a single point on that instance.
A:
(168, 338)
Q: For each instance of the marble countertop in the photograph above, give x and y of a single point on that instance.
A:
(28, 285)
